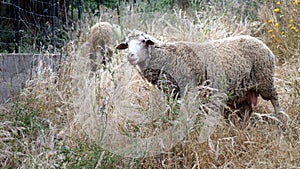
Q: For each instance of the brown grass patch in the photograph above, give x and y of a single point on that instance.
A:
(71, 103)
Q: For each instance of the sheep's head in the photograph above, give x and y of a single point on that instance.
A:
(137, 45)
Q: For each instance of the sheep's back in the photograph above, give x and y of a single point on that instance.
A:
(247, 63)
(104, 33)
(236, 64)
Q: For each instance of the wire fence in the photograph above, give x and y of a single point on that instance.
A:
(37, 25)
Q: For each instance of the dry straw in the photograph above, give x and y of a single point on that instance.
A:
(70, 104)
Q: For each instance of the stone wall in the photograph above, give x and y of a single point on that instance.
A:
(16, 69)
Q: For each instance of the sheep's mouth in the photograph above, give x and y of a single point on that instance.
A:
(132, 60)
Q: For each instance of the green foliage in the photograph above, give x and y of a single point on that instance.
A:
(86, 155)
(162, 6)
(91, 5)
(6, 39)
(108, 3)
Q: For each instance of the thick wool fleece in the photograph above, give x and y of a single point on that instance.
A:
(233, 65)
(103, 37)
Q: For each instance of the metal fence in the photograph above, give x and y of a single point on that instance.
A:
(37, 25)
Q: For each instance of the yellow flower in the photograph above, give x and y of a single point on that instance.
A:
(270, 31)
(276, 10)
(297, 30)
(273, 36)
(296, 2)
(292, 28)
(276, 25)
(278, 3)
(282, 33)
(270, 21)
(291, 21)
(289, 26)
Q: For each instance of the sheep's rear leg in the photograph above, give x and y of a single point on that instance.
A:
(283, 118)
(269, 93)
(275, 104)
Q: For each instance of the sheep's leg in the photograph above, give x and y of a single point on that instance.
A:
(275, 104)
(247, 106)
(247, 110)
(280, 115)
(283, 118)
(93, 63)
(274, 101)
(268, 92)
(245, 114)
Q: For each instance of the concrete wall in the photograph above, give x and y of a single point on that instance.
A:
(16, 69)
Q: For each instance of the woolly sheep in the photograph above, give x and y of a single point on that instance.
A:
(241, 66)
(102, 38)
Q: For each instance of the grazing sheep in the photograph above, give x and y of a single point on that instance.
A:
(102, 38)
(241, 66)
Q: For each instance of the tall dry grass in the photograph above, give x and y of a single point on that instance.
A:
(57, 120)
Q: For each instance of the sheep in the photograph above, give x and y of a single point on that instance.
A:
(102, 38)
(241, 66)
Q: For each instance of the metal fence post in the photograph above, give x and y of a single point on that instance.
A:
(17, 26)
(72, 12)
(52, 22)
(79, 17)
(118, 11)
(98, 5)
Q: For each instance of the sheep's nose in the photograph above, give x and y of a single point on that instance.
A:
(130, 55)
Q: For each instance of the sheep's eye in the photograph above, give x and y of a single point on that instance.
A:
(143, 41)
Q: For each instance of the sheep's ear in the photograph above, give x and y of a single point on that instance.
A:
(149, 42)
(122, 46)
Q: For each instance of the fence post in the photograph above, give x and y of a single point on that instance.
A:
(17, 26)
(72, 12)
(118, 12)
(98, 7)
(52, 22)
(79, 17)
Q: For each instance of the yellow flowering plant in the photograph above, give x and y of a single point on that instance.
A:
(282, 24)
